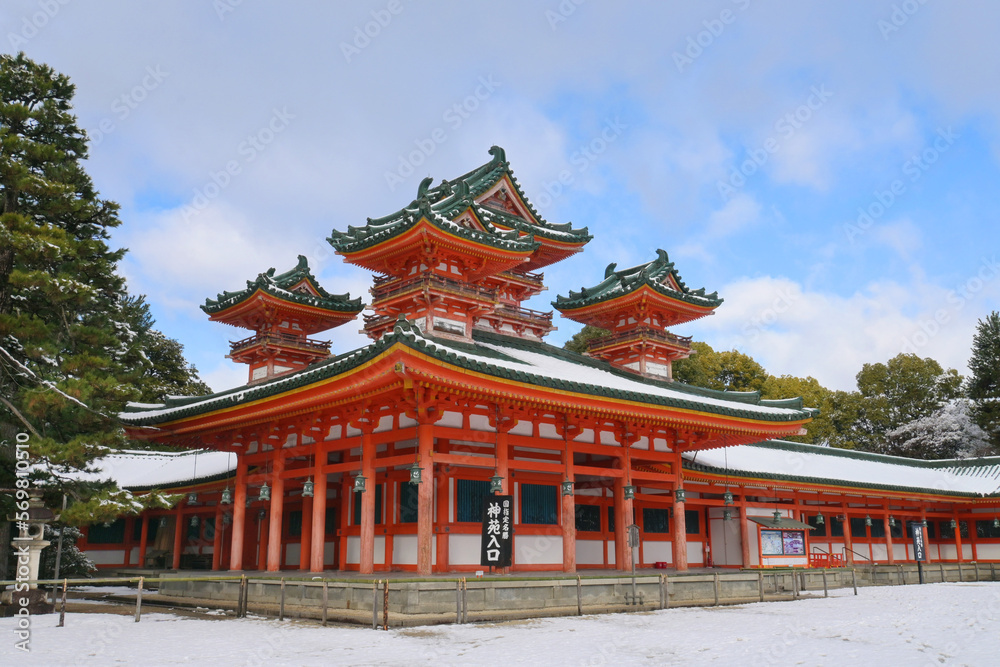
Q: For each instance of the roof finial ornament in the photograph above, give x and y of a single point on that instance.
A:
(499, 156)
(424, 187)
(610, 270)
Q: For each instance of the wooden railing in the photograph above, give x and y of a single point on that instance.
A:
(647, 332)
(287, 340)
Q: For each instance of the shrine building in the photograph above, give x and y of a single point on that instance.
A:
(381, 458)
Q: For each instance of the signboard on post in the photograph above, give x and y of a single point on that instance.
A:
(919, 552)
(917, 529)
(498, 531)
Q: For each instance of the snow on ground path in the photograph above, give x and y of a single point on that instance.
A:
(935, 624)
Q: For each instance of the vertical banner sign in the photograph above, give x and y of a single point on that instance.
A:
(917, 528)
(498, 533)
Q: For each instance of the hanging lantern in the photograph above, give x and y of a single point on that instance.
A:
(996, 522)
(680, 495)
(868, 520)
(923, 523)
(629, 492)
(227, 496)
(307, 488)
(265, 492)
(953, 524)
(226, 519)
(416, 473)
(777, 516)
(820, 519)
(163, 522)
(567, 488)
(727, 515)
(249, 500)
(360, 482)
(194, 521)
(496, 483)
(192, 498)
(892, 521)
(727, 497)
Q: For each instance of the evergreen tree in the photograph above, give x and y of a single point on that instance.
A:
(578, 343)
(984, 383)
(73, 347)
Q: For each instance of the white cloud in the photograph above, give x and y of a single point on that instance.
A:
(739, 212)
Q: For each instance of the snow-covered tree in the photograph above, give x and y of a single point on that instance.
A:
(984, 384)
(950, 432)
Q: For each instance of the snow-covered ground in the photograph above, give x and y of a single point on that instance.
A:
(935, 624)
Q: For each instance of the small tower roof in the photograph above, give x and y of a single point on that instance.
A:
(485, 206)
(296, 289)
(659, 277)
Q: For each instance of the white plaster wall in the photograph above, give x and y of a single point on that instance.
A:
(292, 552)
(384, 424)
(353, 549)
(608, 438)
(988, 551)
(113, 557)
(523, 428)
(464, 549)
(135, 556)
(933, 552)
(538, 549)
(590, 552)
(404, 550)
(329, 551)
(754, 539)
(696, 554)
(548, 431)
(586, 435)
(725, 539)
(966, 551)
(657, 551)
(334, 433)
(785, 561)
(880, 552)
(947, 551)
(899, 551)
(611, 552)
(452, 419)
(480, 423)
(379, 556)
(406, 422)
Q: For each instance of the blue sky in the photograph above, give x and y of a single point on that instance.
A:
(829, 168)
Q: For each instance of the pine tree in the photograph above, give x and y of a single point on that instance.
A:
(984, 383)
(73, 346)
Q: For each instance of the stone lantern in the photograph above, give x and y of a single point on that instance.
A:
(28, 545)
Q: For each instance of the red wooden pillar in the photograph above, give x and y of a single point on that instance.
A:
(569, 513)
(275, 548)
(501, 456)
(958, 537)
(239, 516)
(888, 537)
(848, 539)
(623, 517)
(744, 531)
(425, 498)
(318, 543)
(367, 565)
(305, 546)
(680, 548)
(144, 538)
(217, 539)
(178, 537)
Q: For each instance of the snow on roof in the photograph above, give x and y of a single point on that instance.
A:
(824, 464)
(143, 470)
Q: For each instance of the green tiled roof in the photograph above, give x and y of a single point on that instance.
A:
(814, 464)
(279, 286)
(652, 274)
(501, 356)
(443, 203)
